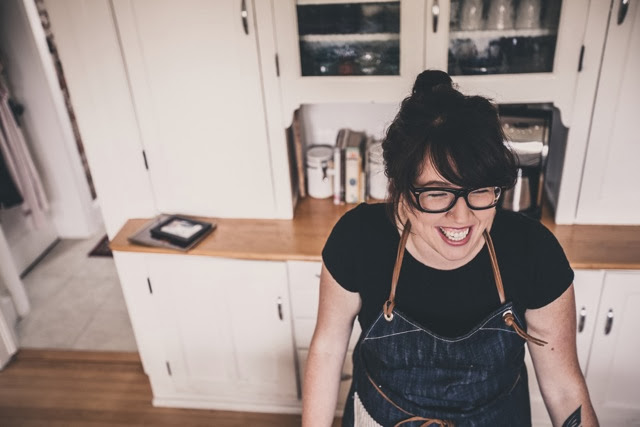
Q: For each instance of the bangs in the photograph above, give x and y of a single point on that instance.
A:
(468, 153)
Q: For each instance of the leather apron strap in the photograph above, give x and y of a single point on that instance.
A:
(509, 318)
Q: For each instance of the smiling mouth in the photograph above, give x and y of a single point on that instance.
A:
(455, 234)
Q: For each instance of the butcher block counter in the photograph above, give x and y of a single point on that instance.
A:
(302, 238)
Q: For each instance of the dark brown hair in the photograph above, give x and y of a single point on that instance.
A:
(461, 136)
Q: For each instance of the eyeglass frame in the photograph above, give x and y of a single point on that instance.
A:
(464, 193)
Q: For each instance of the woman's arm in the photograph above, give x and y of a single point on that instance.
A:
(336, 313)
(556, 364)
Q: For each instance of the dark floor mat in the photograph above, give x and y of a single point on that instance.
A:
(102, 248)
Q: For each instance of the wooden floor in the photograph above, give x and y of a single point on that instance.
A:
(77, 388)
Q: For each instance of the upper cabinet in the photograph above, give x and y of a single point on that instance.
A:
(348, 51)
(194, 72)
(513, 51)
(609, 188)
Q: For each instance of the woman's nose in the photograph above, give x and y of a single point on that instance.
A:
(460, 211)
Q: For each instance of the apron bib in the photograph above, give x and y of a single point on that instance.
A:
(406, 375)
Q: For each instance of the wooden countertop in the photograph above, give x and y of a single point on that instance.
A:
(586, 246)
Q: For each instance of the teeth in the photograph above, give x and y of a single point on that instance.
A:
(455, 235)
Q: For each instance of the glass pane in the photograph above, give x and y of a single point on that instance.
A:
(349, 38)
(503, 36)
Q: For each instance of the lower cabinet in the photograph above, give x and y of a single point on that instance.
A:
(234, 334)
(304, 280)
(212, 332)
(608, 346)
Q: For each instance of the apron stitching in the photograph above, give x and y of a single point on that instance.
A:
(390, 335)
(498, 329)
(372, 325)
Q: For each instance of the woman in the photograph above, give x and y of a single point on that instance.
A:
(444, 286)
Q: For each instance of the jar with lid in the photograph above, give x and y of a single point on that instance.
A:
(319, 173)
(377, 179)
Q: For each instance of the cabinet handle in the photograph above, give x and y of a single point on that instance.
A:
(622, 11)
(609, 324)
(244, 15)
(345, 377)
(435, 14)
(280, 308)
(582, 319)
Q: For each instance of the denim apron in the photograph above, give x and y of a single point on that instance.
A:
(406, 375)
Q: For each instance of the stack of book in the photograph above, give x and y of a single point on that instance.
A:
(349, 165)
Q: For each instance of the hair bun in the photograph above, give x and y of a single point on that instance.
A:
(428, 80)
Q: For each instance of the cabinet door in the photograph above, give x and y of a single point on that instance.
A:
(348, 51)
(609, 192)
(613, 373)
(227, 326)
(194, 72)
(511, 51)
(587, 286)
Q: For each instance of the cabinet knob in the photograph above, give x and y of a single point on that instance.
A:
(435, 15)
(582, 319)
(244, 15)
(280, 308)
(609, 324)
(345, 377)
(622, 11)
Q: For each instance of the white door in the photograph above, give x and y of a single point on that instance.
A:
(613, 373)
(194, 71)
(227, 325)
(609, 192)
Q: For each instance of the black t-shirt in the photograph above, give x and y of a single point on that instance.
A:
(361, 251)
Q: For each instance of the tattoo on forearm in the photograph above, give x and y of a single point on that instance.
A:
(575, 419)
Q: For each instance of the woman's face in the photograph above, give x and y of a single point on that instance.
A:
(449, 239)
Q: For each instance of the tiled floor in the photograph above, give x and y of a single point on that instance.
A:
(76, 302)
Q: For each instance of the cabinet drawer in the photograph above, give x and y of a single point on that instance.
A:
(304, 280)
(303, 331)
(304, 274)
(345, 381)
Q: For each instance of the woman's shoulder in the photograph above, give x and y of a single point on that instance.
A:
(364, 216)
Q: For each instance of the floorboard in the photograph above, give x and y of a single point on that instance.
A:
(85, 388)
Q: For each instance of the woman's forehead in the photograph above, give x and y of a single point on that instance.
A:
(430, 177)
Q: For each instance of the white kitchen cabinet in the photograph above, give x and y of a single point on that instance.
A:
(522, 62)
(212, 332)
(608, 344)
(304, 281)
(348, 51)
(609, 188)
(337, 51)
(588, 287)
(194, 70)
(613, 373)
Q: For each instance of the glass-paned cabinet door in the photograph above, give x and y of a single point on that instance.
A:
(348, 50)
(349, 39)
(502, 36)
(513, 51)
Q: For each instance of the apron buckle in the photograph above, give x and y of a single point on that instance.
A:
(387, 310)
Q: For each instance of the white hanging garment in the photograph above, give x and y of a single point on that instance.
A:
(19, 162)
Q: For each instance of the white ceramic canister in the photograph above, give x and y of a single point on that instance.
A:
(319, 176)
(377, 179)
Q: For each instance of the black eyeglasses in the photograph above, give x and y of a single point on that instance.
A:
(437, 199)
